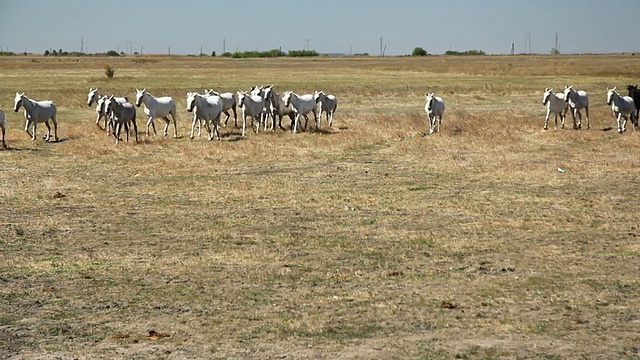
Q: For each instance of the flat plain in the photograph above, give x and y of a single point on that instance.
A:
(491, 239)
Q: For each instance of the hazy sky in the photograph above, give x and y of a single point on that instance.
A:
(328, 26)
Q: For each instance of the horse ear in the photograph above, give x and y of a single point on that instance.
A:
(614, 89)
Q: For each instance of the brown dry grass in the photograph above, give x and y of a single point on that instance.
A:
(340, 244)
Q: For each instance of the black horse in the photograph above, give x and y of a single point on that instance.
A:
(635, 95)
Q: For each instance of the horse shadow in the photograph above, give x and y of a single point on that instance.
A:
(609, 128)
(10, 148)
(323, 131)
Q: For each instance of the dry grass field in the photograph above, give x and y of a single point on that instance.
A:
(364, 241)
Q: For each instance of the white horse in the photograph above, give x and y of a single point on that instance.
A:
(622, 106)
(95, 97)
(328, 104)
(251, 105)
(270, 107)
(278, 109)
(577, 100)
(3, 127)
(160, 107)
(555, 104)
(229, 102)
(122, 115)
(434, 108)
(302, 105)
(207, 109)
(35, 112)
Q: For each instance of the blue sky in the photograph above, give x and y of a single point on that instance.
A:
(328, 26)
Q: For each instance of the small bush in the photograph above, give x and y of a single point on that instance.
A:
(112, 53)
(419, 52)
(109, 71)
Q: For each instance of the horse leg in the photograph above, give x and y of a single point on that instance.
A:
(193, 125)
(226, 112)
(244, 122)
(235, 115)
(618, 119)
(546, 121)
(579, 118)
(216, 125)
(151, 123)
(116, 132)
(175, 125)
(306, 121)
(167, 122)
(431, 129)
(47, 137)
(54, 120)
(295, 123)
(107, 123)
(4, 130)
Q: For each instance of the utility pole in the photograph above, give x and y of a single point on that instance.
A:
(130, 47)
(169, 49)
(224, 45)
(81, 45)
(557, 50)
(513, 48)
(529, 38)
(306, 44)
(380, 45)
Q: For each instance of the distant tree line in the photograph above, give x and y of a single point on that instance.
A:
(465, 53)
(269, 54)
(60, 52)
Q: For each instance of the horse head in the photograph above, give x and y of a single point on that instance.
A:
(287, 98)
(546, 95)
(191, 101)
(241, 95)
(92, 96)
(567, 92)
(17, 102)
(430, 97)
(610, 95)
(139, 96)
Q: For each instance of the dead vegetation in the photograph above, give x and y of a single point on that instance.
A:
(363, 241)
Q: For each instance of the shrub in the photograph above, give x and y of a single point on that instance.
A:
(109, 71)
(112, 53)
(419, 52)
(213, 53)
(46, 53)
(301, 53)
